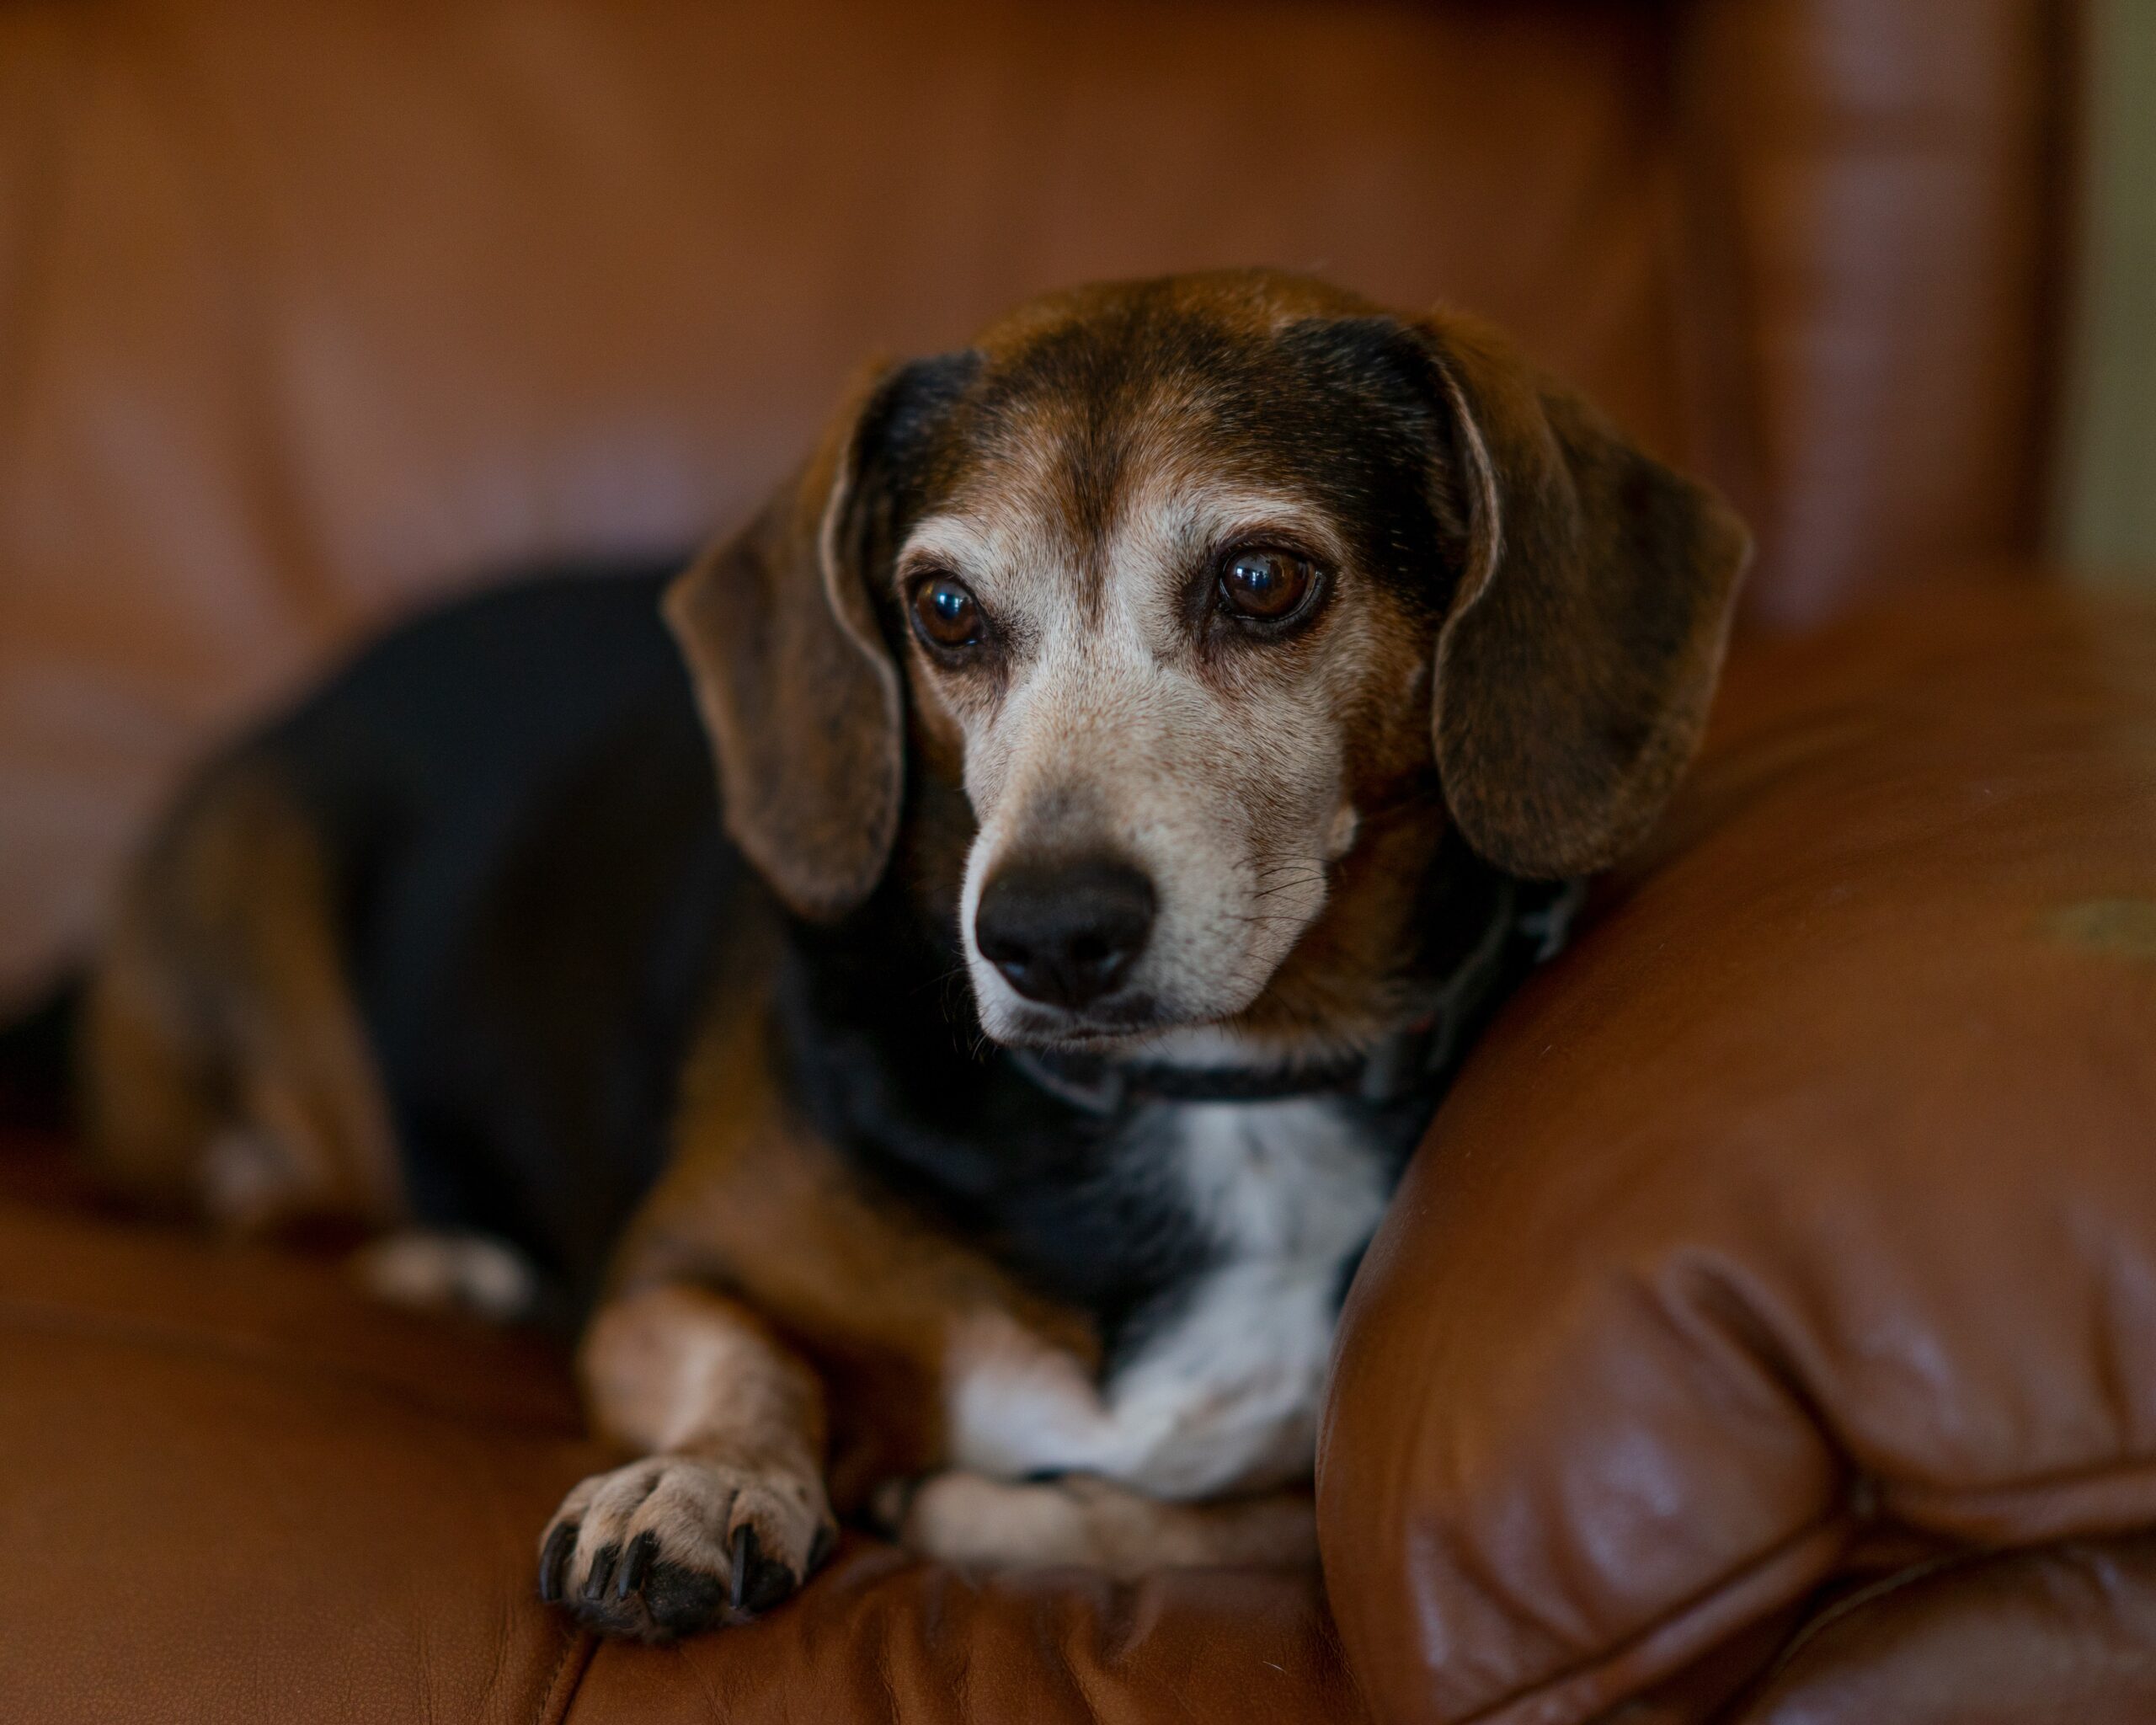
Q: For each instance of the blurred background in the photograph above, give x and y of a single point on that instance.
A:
(2105, 520)
(311, 312)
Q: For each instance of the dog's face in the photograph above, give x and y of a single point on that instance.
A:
(1177, 571)
(1175, 579)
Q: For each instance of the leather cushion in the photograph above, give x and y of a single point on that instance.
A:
(234, 1490)
(1805, 1207)
(2057, 1632)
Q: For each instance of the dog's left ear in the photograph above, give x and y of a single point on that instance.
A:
(1578, 656)
(798, 690)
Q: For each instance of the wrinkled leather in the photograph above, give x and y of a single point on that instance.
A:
(2061, 1632)
(308, 311)
(1803, 1214)
(235, 1490)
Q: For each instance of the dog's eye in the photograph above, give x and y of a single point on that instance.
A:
(947, 614)
(1267, 585)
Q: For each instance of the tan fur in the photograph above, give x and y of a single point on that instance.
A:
(754, 1201)
(730, 1425)
(433, 1271)
(1576, 670)
(1094, 1524)
(800, 699)
(219, 1017)
(1096, 744)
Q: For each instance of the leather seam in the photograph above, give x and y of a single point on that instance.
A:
(1888, 1501)
(1852, 1603)
(557, 1701)
(1513, 1705)
(1930, 1500)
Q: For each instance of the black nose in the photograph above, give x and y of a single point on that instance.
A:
(1064, 932)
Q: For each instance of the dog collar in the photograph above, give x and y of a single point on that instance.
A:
(1529, 923)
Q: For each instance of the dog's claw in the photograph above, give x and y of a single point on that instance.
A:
(759, 1582)
(643, 1551)
(602, 1572)
(553, 1562)
(743, 1555)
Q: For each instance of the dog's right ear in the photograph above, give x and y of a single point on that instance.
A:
(1574, 673)
(795, 682)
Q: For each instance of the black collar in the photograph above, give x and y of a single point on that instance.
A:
(1528, 922)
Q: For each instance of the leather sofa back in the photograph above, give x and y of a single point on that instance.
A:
(307, 311)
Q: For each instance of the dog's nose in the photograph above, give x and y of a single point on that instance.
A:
(1066, 932)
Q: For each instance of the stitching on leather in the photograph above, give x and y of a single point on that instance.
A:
(1893, 1494)
(554, 1704)
(1855, 1601)
(1888, 1497)
(1688, 1605)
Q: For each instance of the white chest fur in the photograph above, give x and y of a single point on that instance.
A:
(1225, 1392)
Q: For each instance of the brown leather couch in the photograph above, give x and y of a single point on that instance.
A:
(1768, 1333)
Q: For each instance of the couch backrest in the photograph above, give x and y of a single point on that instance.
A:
(307, 311)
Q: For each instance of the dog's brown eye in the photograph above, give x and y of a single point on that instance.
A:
(1264, 584)
(946, 614)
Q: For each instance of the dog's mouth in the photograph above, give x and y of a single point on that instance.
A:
(1102, 1026)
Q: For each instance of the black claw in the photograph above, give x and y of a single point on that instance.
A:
(602, 1572)
(744, 1556)
(759, 1582)
(553, 1562)
(643, 1550)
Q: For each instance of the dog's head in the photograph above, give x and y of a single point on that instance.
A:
(1218, 596)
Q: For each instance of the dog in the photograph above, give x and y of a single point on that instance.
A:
(1148, 743)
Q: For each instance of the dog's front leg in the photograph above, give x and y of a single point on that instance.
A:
(726, 1514)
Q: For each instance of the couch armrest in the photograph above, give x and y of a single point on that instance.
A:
(1802, 1220)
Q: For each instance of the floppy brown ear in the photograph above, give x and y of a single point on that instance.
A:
(797, 688)
(1575, 664)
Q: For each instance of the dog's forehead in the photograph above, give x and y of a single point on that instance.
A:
(1248, 301)
(1178, 397)
(1077, 467)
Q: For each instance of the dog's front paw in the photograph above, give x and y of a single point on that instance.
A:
(673, 1544)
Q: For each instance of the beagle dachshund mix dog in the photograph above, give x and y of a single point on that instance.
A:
(1148, 742)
